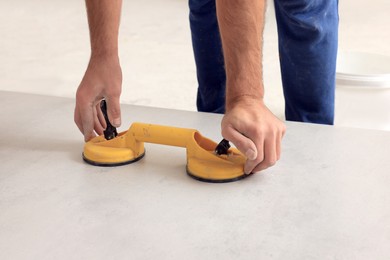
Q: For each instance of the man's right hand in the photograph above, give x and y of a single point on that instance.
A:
(255, 131)
(103, 79)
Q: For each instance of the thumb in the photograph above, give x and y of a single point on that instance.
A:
(114, 111)
(243, 143)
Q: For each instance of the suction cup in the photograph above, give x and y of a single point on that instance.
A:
(114, 152)
(206, 160)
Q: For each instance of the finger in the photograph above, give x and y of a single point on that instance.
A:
(87, 121)
(246, 146)
(278, 141)
(89, 136)
(279, 146)
(114, 111)
(243, 143)
(77, 120)
(88, 131)
(98, 128)
(270, 155)
(97, 124)
(100, 116)
(250, 165)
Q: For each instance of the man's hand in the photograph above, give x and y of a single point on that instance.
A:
(255, 131)
(103, 79)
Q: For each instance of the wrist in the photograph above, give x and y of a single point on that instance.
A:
(249, 90)
(106, 59)
(244, 86)
(107, 54)
(243, 100)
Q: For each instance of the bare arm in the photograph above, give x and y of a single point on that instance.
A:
(241, 25)
(103, 77)
(103, 21)
(247, 123)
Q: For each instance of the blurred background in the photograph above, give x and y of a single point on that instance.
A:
(44, 48)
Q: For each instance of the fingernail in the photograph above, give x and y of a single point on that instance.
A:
(116, 122)
(250, 154)
(247, 171)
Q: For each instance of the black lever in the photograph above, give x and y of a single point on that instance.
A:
(110, 131)
(222, 147)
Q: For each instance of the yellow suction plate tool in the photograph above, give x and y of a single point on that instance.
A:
(202, 162)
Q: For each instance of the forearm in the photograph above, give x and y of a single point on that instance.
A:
(103, 20)
(241, 26)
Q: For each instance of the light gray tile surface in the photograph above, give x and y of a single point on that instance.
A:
(327, 198)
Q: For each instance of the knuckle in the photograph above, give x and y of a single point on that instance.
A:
(77, 121)
(115, 92)
(226, 133)
(283, 129)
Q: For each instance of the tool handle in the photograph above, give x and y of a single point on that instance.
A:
(159, 134)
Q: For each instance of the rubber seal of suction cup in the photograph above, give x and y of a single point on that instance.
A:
(112, 164)
(217, 181)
